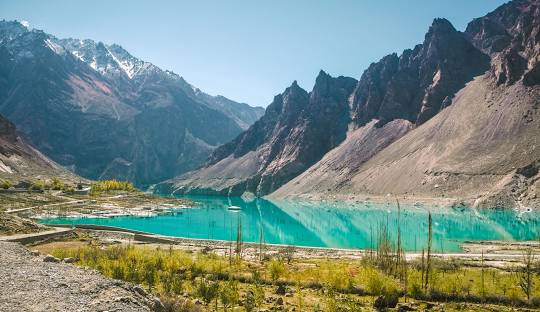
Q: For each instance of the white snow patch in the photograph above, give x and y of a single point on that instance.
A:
(94, 63)
(78, 55)
(126, 66)
(54, 47)
(26, 24)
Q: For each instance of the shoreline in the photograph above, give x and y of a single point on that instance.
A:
(493, 253)
(434, 202)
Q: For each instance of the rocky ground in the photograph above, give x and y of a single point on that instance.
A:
(32, 283)
(10, 224)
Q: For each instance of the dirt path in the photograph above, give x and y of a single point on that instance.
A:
(35, 237)
(69, 201)
(81, 201)
(27, 283)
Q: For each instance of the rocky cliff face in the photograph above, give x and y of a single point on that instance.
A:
(510, 35)
(418, 84)
(106, 114)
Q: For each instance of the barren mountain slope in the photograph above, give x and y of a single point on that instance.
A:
(483, 148)
(460, 153)
(20, 161)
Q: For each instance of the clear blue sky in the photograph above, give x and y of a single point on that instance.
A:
(250, 50)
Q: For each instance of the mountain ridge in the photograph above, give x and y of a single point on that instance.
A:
(105, 114)
(497, 55)
(19, 161)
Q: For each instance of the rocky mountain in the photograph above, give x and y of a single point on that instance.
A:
(297, 129)
(454, 117)
(20, 161)
(483, 149)
(103, 113)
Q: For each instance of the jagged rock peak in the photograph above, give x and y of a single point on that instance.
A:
(418, 84)
(510, 35)
(441, 25)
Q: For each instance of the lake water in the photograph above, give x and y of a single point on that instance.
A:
(329, 224)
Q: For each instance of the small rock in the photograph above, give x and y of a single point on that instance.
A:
(387, 301)
(49, 258)
(403, 307)
(69, 260)
(34, 252)
(429, 305)
(279, 301)
(158, 306)
(140, 290)
(288, 294)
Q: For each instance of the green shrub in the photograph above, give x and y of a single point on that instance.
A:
(37, 185)
(228, 293)
(6, 184)
(276, 268)
(112, 185)
(207, 290)
(68, 189)
(56, 184)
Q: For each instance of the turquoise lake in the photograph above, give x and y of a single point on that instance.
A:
(329, 224)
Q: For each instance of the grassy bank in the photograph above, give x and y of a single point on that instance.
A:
(285, 283)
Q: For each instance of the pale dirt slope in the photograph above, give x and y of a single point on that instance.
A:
(469, 151)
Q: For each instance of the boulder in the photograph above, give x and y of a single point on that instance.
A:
(384, 302)
(49, 258)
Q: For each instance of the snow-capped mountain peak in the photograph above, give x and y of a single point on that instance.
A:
(109, 60)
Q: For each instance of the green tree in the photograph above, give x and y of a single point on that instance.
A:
(56, 184)
(6, 184)
(207, 290)
(276, 268)
(258, 293)
(229, 294)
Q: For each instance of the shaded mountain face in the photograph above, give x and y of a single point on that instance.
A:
(510, 35)
(103, 113)
(21, 162)
(418, 84)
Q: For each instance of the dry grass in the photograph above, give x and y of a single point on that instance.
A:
(308, 285)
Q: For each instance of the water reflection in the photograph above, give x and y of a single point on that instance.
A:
(324, 224)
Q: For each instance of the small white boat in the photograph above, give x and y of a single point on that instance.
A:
(235, 208)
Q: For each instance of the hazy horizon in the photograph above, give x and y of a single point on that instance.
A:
(249, 51)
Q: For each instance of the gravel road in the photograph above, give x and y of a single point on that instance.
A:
(27, 283)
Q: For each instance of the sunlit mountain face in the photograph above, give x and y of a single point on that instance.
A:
(104, 113)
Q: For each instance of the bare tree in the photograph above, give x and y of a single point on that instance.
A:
(525, 274)
(428, 258)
